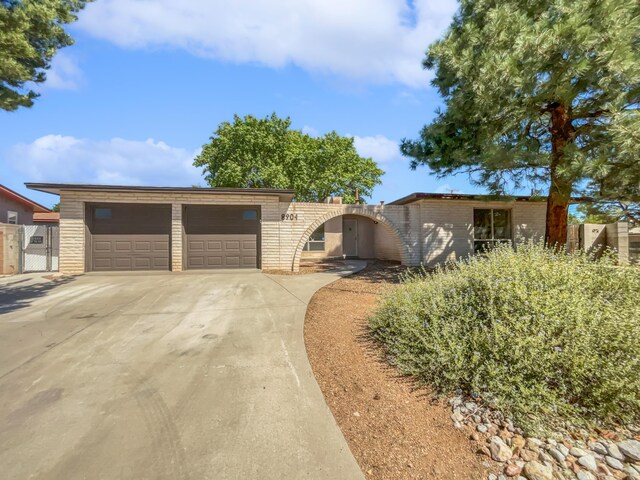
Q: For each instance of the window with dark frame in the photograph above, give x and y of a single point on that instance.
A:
(316, 241)
(101, 213)
(491, 226)
(249, 215)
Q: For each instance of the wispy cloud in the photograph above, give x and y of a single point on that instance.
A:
(64, 74)
(58, 158)
(380, 148)
(373, 41)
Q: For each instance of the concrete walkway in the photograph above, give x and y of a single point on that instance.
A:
(174, 376)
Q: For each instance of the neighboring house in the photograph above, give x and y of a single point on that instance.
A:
(107, 228)
(16, 209)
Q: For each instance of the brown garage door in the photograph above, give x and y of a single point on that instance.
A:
(222, 236)
(129, 237)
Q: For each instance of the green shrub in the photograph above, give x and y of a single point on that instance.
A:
(552, 339)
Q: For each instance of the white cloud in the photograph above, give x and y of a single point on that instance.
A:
(379, 147)
(64, 74)
(58, 158)
(375, 41)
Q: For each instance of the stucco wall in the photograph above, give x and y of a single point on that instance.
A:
(385, 245)
(332, 242)
(25, 214)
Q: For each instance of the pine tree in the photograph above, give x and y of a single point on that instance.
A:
(538, 91)
(31, 32)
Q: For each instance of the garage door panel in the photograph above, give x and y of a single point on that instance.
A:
(220, 251)
(135, 252)
(129, 236)
(222, 236)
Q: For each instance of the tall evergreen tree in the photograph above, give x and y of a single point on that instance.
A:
(538, 91)
(31, 31)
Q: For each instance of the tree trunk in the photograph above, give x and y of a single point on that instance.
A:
(560, 190)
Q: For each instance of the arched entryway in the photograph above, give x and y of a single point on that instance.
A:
(388, 234)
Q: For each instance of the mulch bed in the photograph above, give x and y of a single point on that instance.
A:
(395, 429)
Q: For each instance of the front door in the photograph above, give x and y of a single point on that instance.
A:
(350, 237)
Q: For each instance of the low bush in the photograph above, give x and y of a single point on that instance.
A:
(551, 339)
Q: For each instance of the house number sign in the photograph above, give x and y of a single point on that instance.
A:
(289, 217)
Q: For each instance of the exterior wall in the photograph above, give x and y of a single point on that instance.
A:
(385, 245)
(332, 241)
(365, 235)
(447, 226)
(593, 237)
(73, 236)
(9, 249)
(618, 239)
(429, 231)
(25, 214)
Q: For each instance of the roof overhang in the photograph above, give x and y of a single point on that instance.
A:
(16, 197)
(414, 197)
(58, 188)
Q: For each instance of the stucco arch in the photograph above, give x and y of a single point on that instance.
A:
(402, 240)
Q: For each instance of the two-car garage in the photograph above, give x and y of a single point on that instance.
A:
(137, 236)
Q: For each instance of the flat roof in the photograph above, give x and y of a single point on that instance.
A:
(56, 188)
(15, 196)
(414, 197)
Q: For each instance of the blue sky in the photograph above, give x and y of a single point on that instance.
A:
(149, 80)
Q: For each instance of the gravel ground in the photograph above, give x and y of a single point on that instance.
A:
(394, 429)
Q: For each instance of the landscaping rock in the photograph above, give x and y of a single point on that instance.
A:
(528, 455)
(563, 449)
(557, 455)
(631, 472)
(614, 463)
(534, 443)
(630, 449)
(577, 452)
(615, 452)
(599, 448)
(482, 428)
(500, 452)
(588, 462)
(512, 470)
(537, 471)
(584, 475)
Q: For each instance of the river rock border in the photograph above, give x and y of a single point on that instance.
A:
(522, 457)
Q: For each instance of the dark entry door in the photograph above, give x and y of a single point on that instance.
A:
(222, 236)
(129, 237)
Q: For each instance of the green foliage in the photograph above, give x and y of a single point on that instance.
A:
(544, 91)
(547, 337)
(30, 34)
(608, 212)
(267, 153)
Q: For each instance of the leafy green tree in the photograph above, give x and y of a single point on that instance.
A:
(31, 32)
(607, 212)
(267, 153)
(538, 91)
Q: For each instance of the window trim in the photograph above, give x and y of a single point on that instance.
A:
(14, 214)
(493, 240)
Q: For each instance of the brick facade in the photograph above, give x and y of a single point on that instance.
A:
(424, 232)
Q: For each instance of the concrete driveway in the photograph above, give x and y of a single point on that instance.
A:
(163, 376)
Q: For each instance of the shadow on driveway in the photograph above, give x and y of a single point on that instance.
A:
(20, 291)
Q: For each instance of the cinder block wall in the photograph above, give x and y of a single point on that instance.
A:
(429, 231)
(447, 226)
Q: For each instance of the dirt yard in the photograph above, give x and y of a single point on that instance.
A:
(395, 430)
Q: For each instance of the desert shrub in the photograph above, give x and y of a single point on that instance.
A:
(552, 339)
